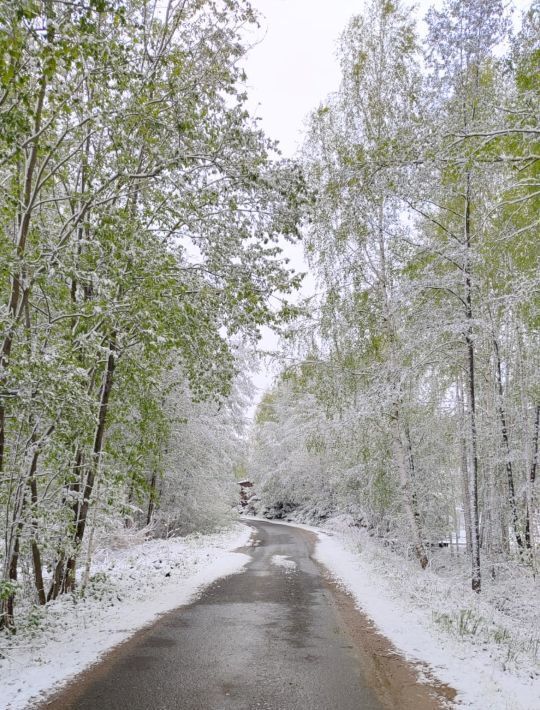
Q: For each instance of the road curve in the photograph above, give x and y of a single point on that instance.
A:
(268, 638)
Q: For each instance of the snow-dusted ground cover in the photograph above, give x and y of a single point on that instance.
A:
(128, 589)
(486, 647)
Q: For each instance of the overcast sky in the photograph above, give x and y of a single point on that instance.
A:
(291, 68)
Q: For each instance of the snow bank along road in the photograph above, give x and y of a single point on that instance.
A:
(277, 636)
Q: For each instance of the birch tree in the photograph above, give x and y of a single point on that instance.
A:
(423, 337)
(357, 153)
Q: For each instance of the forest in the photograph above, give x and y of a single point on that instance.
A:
(409, 397)
(145, 219)
(140, 217)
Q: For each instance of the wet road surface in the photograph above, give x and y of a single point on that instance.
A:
(268, 638)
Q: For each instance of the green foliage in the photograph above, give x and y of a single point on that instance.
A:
(7, 589)
(412, 404)
(141, 222)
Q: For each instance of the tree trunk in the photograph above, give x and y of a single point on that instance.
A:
(59, 572)
(465, 476)
(69, 576)
(506, 445)
(28, 199)
(408, 498)
(65, 570)
(90, 548)
(151, 498)
(36, 554)
(532, 479)
(476, 581)
(476, 577)
(11, 571)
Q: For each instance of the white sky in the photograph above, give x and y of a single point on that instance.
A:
(291, 68)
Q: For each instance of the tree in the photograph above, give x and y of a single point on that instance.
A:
(423, 341)
(142, 217)
(357, 154)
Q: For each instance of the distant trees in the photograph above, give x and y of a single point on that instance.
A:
(423, 349)
(205, 444)
(140, 214)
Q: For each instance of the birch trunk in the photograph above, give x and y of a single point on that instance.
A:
(407, 493)
(476, 577)
(506, 447)
(529, 539)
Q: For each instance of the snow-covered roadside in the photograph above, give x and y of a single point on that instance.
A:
(407, 605)
(129, 589)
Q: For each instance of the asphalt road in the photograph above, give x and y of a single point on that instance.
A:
(268, 638)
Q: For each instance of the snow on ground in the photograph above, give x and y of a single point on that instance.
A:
(404, 603)
(283, 561)
(129, 588)
(486, 647)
